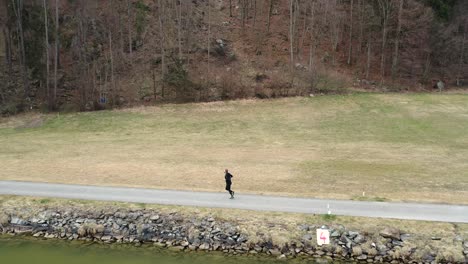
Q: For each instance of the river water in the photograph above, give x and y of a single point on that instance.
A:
(30, 251)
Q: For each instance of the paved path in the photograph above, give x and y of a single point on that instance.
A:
(413, 211)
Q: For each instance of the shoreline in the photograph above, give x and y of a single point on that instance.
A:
(245, 233)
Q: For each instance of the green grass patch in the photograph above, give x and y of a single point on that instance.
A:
(329, 217)
(369, 199)
(44, 201)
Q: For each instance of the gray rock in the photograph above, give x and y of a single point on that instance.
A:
(38, 234)
(391, 232)
(107, 238)
(241, 239)
(154, 217)
(282, 256)
(353, 234)
(18, 221)
(359, 239)
(4, 219)
(204, 246)
(320, 253)
(381, 248)
(49, 236)
(405, 237)
(335, 233)
(275, 252)
(307, 237)
(362, 257)
(465, 244)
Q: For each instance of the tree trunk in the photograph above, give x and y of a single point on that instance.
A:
(361, 25)
(46, 47)
(382, 58)
(179, 28)
(163, 45)
(154, 85)
(461, 64)
(427, 67)
(129, 14)
(397, 41)
(243, 12)
(369, 43)
(18, 9)
(297, 13)
(350, 50)
(255, 13)
(311, 28)
(56, 50)
(112, 68)
(208, 42)
(6, 33)
(270, 11)
(291, 39)
(121, 36)
(385, 6)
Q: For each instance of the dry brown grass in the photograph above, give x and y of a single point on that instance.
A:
(341, 145)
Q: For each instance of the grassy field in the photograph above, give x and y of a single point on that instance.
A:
(392, 147)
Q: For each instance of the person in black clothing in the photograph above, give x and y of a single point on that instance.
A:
(228, 176)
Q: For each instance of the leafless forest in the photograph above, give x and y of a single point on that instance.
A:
(73, 55)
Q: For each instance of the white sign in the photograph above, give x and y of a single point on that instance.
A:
(323, 237)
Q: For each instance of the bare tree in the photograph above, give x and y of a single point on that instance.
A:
(270, 12)
(179, 27)
(385, 7)
(291, 34)
(311, 32)
(112, 65)
(129, 14)
(368, 64)
(163, 43)
(335, 21)
(462, 51)
(46, 47)
(361, 24)
(397, 40)
(18, 9)
(350, 49)
(255, 13)
(56, 49)
(209, 35)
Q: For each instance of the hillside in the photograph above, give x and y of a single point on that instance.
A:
(116, 52)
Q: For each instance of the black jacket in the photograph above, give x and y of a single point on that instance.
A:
(228, 176)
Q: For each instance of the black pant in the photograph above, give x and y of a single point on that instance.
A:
(228, 187)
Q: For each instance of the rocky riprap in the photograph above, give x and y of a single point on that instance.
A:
(179, 232)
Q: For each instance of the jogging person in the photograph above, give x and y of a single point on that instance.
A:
(228, 176)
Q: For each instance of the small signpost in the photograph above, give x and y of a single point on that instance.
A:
(323, 236)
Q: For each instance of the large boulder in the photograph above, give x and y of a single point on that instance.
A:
(4, 219)
(392, 233)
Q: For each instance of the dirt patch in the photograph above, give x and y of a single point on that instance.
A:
(34, 123)
(28, 120)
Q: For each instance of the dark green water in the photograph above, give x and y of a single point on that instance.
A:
(29, 251)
